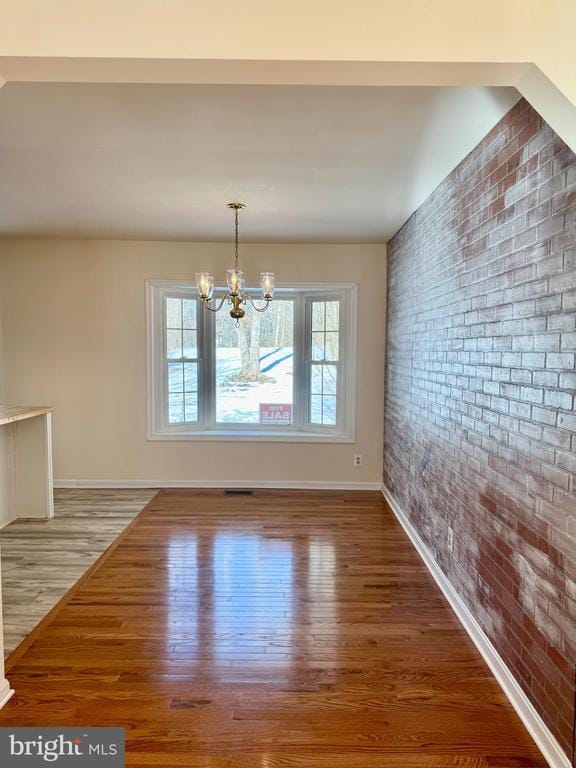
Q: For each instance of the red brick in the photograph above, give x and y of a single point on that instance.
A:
(483, 370)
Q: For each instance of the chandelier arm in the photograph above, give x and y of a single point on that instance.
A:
(259, 309)
(219, 307)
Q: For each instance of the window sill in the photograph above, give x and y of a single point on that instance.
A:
(251, 436)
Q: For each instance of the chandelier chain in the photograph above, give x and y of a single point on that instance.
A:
(236, 258)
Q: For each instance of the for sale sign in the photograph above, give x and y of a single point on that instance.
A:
(276, 414)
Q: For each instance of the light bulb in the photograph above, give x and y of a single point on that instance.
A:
(267, 282)
(235, 279)
(205, 285)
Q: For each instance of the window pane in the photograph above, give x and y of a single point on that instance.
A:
(175, 408)
(330, 379)
(332, 339)
(174, 313)
(316, 379)
(189, 314)
(254, 366)
(191, 407)
(175, 377)
(332, 315)
(174, 344)
(315, 409)
(191, 377)
(329, 410)
(253, 363)
(189, 347)
(318, 313)
(317, 346)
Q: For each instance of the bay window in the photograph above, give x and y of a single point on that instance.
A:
(284, 374)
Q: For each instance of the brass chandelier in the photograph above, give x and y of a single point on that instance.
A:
(236, 296)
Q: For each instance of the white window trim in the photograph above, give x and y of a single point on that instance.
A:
(157, 430)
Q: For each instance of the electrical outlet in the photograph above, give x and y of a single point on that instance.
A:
(450, 539)
(357, 460)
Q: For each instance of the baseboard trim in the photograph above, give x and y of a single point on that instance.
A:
(319, 485)
(6, 692)
(536, 727)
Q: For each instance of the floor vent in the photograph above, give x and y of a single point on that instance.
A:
(239, 492)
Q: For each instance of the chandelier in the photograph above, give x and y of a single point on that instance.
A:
(236, 296)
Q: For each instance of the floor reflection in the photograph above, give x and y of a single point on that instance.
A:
(184, 595)
(253, 600)
(321, 587)
(234, 603)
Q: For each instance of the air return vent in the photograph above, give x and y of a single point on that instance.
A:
(239, 492)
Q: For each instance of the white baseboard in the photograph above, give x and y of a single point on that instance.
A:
(6, 692)
(320, 485)
(537, 728)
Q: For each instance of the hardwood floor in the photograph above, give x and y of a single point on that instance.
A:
(285, 630)
(42, 559)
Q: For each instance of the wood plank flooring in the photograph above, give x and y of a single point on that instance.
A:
(42, 559)
(285, 630)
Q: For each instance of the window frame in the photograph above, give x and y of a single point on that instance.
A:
(200, 363)
(206, 428)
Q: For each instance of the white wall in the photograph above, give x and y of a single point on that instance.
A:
(7, 506)
(526, 43)
(540, 31)
(7, 500)
(74, 333)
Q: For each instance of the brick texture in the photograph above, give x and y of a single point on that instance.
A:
(480, 426)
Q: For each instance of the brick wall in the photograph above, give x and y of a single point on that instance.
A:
(480, 427)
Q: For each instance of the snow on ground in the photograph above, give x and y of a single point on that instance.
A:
(239, 402)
